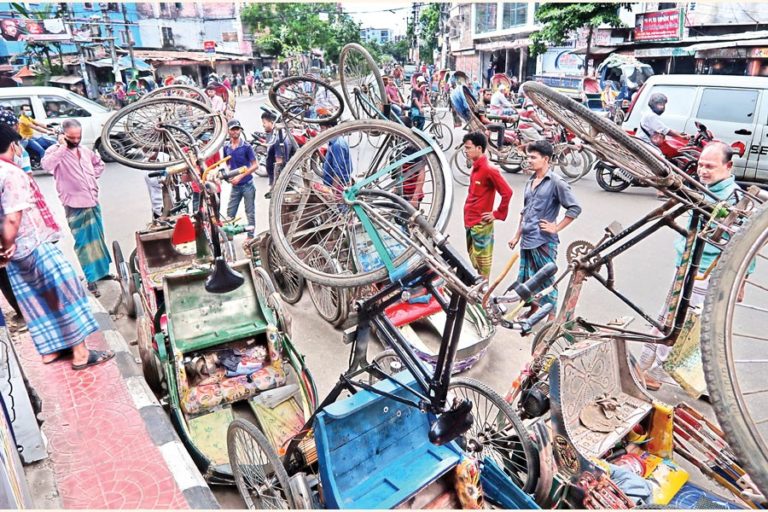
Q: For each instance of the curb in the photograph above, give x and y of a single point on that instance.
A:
(194, 488)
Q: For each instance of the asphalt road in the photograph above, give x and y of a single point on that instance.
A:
(644, 273)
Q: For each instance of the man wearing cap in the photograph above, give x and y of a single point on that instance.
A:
(242, 155)
(419, 97)
(652, 128)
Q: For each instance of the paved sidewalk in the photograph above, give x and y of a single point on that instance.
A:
(110, 443)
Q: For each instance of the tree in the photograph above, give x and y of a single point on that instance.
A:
(561, 21)
(430, 24)
(40, 51)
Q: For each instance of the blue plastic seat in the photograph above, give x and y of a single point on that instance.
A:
(374, 452)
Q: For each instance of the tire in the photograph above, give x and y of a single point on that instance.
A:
(331, 303)
(150, 366)
(610, 143)
(609, 180)
(443, 135)
(103, 154)
(722, 355)
(254, 463)
(296, 86)
(459, 167)
(261, 158)
(498, 433)
(571, 162)
(125, 277)
(351, 55)
(288, 283)
(132, 131)
(514, 163)
(290, 230)
(388, 361)
(180, 91)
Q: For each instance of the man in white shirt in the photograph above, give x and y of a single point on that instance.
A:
(500, 105)
(652, 128)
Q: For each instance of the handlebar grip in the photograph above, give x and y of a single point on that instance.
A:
(232, 173)
(531, 286)
(176, 169)
(528, 324)
(217, 164)
(156, 174)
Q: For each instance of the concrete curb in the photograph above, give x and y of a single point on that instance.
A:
(194, 488)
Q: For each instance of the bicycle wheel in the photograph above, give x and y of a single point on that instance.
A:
(133, 136)
(735, 360)
(259, 475)
(610, 142)
(332, 303)
(125, 276)
(361, 82)
(570, 162)
(443, 135)
(306, 210)
(289, 284)
(461, 167)
(300, 97)
(180, 91)
(498, 433)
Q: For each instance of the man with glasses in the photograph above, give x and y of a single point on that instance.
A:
(242, 155)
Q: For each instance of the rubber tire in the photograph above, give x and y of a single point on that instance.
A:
(150, 367)
(565, 171)
(322, 83)
(531, 454)
(538, 338)
(339, 315)
(291, 297)
(273, 460)
(103, 154)
(345, 52)
(446, 134)
(645, 158)
(511, 167)
(457, 170)
(127, 286)
(261, 157)
(201, 97)
(439, 188)
(623, 185)
(213, 146)
(716, 352)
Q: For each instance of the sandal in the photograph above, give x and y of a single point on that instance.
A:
(95, 357)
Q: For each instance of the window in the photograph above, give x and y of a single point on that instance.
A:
(88, 5)
(167, 36)
(56, 106)
(515, 15)
(114, 7)
(667, 5)
(729, 105)
(485, 17)
(15, 104)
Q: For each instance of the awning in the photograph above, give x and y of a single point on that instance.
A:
(24, 72)
(663, 51)
(729, 44)
(595, 50)
(503, 45)
(123, 62)
(65, 79)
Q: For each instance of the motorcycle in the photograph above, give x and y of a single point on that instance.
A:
(683, 152)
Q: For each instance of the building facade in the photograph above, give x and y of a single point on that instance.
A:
(377, 35)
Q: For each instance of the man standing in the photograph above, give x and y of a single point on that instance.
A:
(545, 193)
(75, 169)
(50, 296)
(485, 182)
(249, 82)
(242, 184)
(280, 150)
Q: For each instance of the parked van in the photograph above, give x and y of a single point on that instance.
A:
(52, 105)
(732, 107)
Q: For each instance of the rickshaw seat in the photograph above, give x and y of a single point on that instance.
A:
(374, 452)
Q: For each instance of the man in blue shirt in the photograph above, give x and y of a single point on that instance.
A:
(281, 148)
(242, 185)
(337, 168)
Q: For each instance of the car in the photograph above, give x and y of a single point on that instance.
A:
(52, 105)
(734, 108)
(409, 70)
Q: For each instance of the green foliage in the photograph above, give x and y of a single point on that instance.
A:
(40, 51)
(430, 24)
(559, 21)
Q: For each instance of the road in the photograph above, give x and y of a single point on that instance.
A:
(643, 273)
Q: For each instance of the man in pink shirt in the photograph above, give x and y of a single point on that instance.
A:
(76, 169)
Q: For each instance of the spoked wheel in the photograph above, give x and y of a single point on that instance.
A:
(611, 143)
(141, 142)
(361, 82)
(180, 91)
(259, 475)
(443, 135)
(332, 303)
(610, 179)
(312, 205)
(733, 348)
(571, 162)
(150, 366)
(301, 98)
(461, 166)
(289, 284)
(498, 433)
(513, 162)
(388, 362)
(124, 274)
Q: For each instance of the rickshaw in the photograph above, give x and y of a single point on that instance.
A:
(229, 99)
(267, 77)
(500, 79)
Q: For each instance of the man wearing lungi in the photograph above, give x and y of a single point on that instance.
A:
(51, 298)
(545, 193)
(76, 169)
(485, 182)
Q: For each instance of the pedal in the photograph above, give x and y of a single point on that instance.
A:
(614, 228)
(349, 335)
(621, 322)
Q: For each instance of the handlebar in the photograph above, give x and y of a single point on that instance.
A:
(527, 289)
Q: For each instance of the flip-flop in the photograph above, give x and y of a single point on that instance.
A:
(59, 355)
(95, 357)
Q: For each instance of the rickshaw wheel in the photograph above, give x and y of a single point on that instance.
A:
(332, 303)
(289, 284)
(388, 361)
(358, 71)
(259, 475)
(124, 274)
(180, 91)
(149, 364)
(497, 432)
(300, 99)
(460, 167)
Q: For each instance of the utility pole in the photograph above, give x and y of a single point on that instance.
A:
(128, 36)
(80, 57)
(111, 38)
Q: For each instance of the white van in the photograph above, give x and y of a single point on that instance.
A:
(732, 107)
(52, 105)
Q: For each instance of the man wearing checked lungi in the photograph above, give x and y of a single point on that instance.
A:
(545, 194)
(76, 169)
(485, 182)
(51, 297)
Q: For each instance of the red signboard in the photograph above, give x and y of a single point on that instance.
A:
(209, 46)
(659, 25)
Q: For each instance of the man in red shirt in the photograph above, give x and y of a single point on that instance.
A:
(484, 183)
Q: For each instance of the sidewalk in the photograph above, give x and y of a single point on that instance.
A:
(110, 443)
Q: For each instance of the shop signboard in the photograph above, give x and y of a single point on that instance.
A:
(22, 29)
(209, 46)
(659, 25)
(759, 53)
(561, 61)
